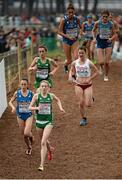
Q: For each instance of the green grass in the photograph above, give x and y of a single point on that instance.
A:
(57, 53)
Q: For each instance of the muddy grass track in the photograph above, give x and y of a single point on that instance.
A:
(90, 152)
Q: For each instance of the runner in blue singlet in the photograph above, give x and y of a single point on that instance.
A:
(69, 29)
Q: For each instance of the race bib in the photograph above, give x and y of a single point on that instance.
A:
(82, 71)
(24, 107)
(72, 33)
(89, 34)
(105, 33)
(44, 108)
(42, 73)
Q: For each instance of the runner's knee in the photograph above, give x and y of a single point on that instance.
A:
(43, 143)
(88, 104)
(26, 134)
(81, 104)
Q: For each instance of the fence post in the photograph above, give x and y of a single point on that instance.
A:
(31, 47)
(28, 62)
(9, 80)
(19, 60)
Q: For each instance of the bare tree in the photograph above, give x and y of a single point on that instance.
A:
(79, 4)
(37, 5)
(70, 2)
(44, 6)
(63, 6)
(58, 6)
(21, 6)
(4, 10)
(86, 2)
(95, 6)
(51, 6)
(29, 6)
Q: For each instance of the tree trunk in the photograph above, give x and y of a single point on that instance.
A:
(58, 6)
(51, 6)
(4, 10)
(44, 6)
(29, 6)
(63, 6)
(79, 4)
(21, 6)
(95, 6)
(37, 5)
(70, 2)
(86, 2)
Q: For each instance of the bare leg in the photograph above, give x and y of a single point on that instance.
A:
(75, 50)
(80, 97)
(108, 52)
(44, 140)
(28, 134)
(100, 57)
(88, 94)
(67, 51)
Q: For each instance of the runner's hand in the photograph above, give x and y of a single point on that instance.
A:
(71, 38)
(51, 73)
(87, 81)
(109, 40)
(62, 110)
(13, 110)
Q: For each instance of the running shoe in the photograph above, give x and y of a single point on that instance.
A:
(100, 71)
(65, 68)
(29, 151)
(41, 168)
(83, 122)
(105, 78)
(50, 152)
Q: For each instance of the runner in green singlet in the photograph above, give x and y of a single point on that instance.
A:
(44, 117)
(42, 67)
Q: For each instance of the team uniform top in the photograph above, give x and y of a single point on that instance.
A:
(70, 29)
(42, 72)
(104, 33)
(104, 29)
(44, 114)
(23, 103)
(88, 30)
(82, 70)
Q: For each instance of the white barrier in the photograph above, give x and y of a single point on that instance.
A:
(3, 97)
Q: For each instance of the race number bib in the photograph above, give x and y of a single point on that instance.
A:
(24, 107)
(44, 108)
(89, 34)
(105, 33)
(82, 71)
(42, 73)
(72, 33)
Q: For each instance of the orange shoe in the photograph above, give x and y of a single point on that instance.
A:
(50, 152)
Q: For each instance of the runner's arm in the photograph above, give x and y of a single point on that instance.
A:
(55, 65)
(114, 33)
(33, 64)
(58, 101)
(82, 30)
(80, 26)
(12, 100)
(94, 31)
(61, 27)
(96, 71)
(32, 106)
(72, 72)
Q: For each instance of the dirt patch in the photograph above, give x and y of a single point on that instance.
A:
(90, 152)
